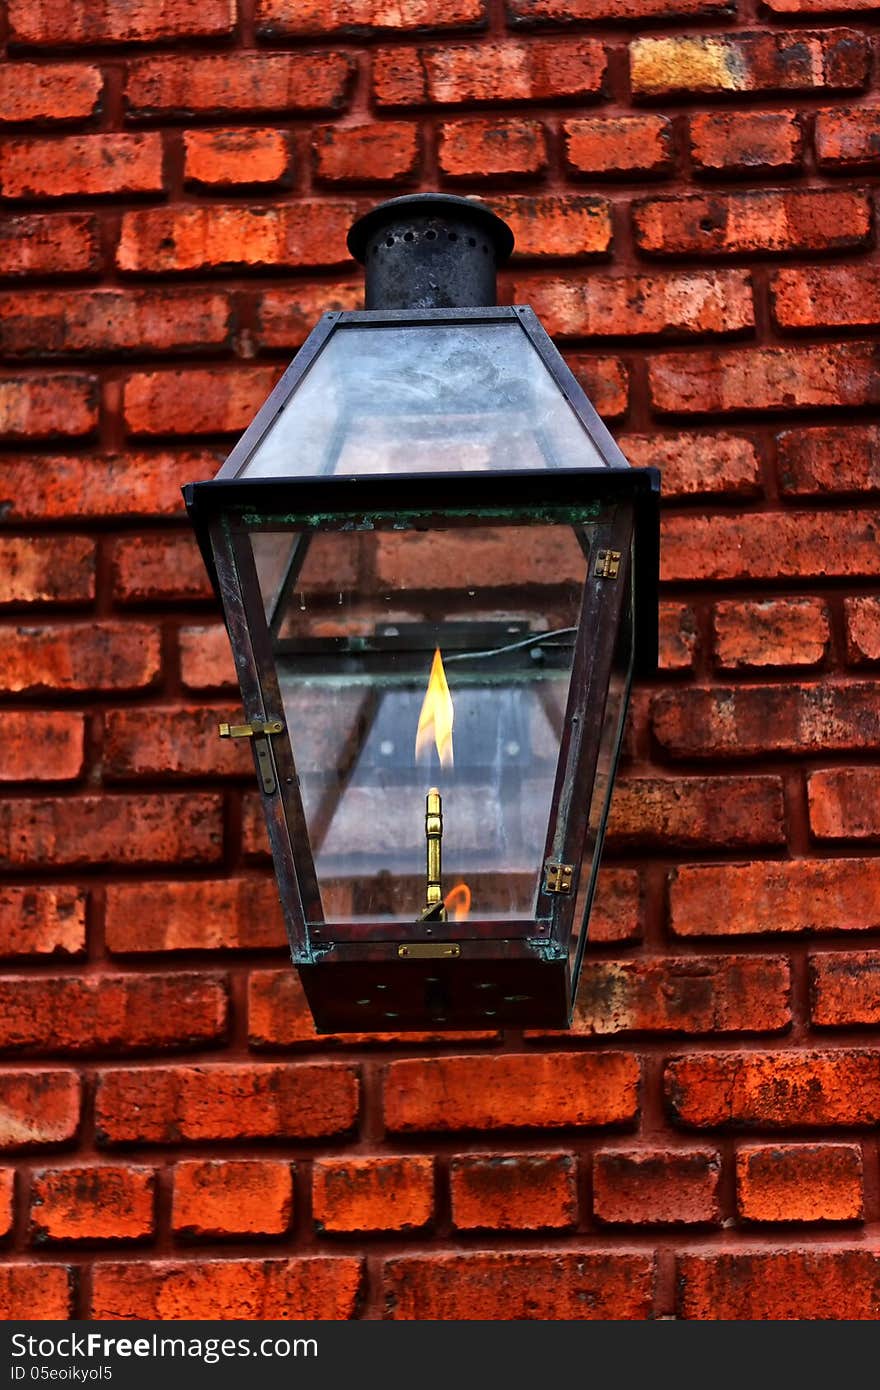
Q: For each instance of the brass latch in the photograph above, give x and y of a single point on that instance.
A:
(255, 729)
(559, 878)
(429, 950)
(258, 730)
(607, 564)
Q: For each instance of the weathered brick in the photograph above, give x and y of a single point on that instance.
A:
(746, 721)
(775, 1090)
(844, 803)
(48, 406)
(164, 1105)
(36, 1292)
(207, 915)
(42, 745)
(46, 569)
(754, 634)
(767, 545)
(375, 152)
(239, 83)
(862, 616)
(724, 64)
(65, 243)
(678, 305)
(748, 142)
(120, 1013)
(93, 1203)
(69, 487)
(222, 237)
(38, 1108)
(618, 146)
(178, 742)
(547, 1090)
(770, 378)
(7, 1201)
(479, 149)
(159, 568)
(210, 400)
(501, 1284)
(616, 910)
(298, 18)
(49, 93)
(753, 222)
(696, 811)
(214, 1198)
(799, 1182)
(514, 1192)
(557, 225)
(693, 463)
(653, 1187)
(418, 560)
(142, 829)
(221, 158)
(541, 70)
(605, 380)
(828, 895)
(80, 656)
(80, 165)
(848, 139)
(818, 6)
(125, 21)
(815, 1283)
(837, 296)
(53, 323)
(844, 988)
(679, 638)
(829, 458)
(526, 13)
(285, 317)
(316, 1286)
(42, 921)
(383, 1193)
(206, 658)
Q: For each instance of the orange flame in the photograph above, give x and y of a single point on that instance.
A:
(458, 902)
(435, 719)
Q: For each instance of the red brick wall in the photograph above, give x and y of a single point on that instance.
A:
(690, 183)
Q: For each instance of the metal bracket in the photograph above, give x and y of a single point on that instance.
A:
(559, 878)
(429, 950)
(258, 730)
(607, 564)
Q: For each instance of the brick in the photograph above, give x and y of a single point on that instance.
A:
(766, 545)
(223, 158)
(48, 406)
(165, 1105)
(678, 305)
(210, 400)
(822, 6)
(82, 165)
(36, 1292)
(693, 464)
(526, 13)
(837, 296)
(616, 910)
(553, 226)
(166, 742)
(69, 487)
(214, 1198)
(301, 18)
(748, 142)
(814, 1283)
(746, 721)
(125, 21)
(376, 152)
(696, 812)
(206, 915)
(723, 64)
(711, 994)
(618, 146)
(844, 803)
(771, 378)
(501, 1284)
(93, 1203)
(254, 840)
(42, 921)
(285, 317)
(7, 1201)
(679, 637)
(384, 1193)
(799, 1182)
(829, 458)
(513, 1192)
(547, 1090)
(848, 139)
(605, 380)
(828, 895)
(206, 658)
(80, 656)
(65, 243)
(479, 149)
(775, 1090)
(654, 1187)
(238, 83)
(316, 1286)
(754, 634)
(42, 745)
(159, 569)
(46, 569)
(120, 1013)
(862, 616)
(418, 560)
(541, 70)
(145, 828)
(38, 1108)
(753, 222)
(221, 238)
(51, 93)
(76, 322)
(844, 989)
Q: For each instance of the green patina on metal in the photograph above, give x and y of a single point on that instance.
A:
(347, 520)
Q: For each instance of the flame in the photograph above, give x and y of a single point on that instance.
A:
(435, 719)
(458, 902)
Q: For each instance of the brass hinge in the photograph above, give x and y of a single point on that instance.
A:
(259, 730)
(607, 564)
(429, 950)
(255, 729)
(559, 878)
